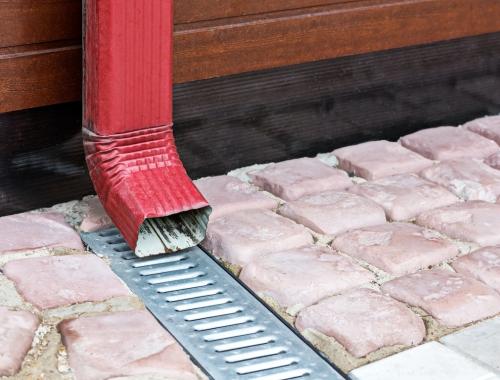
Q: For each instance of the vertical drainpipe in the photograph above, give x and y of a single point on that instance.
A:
(127, 126)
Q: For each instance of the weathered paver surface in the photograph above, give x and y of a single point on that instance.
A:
(333, 212)
(23, 232)
(472, 221)
(493, 161)
(445, 143)
(363, 320)
(467, 178)
(228, 194)
(378, 159)
(55, 281)
(303, 275)
(451, 298)
(397, 248)
(404, 196)
(17, 330)
(245, 236)
(123, 344)
(488, 127)
(480, 342)
(95, 218)
(293, 179)
(430, 361)
(482, 265)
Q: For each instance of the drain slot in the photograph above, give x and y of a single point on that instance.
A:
(229, 333)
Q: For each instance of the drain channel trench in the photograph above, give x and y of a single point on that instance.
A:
(224, 328)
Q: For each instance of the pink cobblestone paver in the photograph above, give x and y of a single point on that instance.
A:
(488, 127)
(397, 248)
(55, 281)
(363, 321)
(125, 344)
(472, 221)
(482, 265)
(17, 330)
(451, 298)
(493, 161)
(303, 275)
(445, 143)
(404, 196)
(228, 194)
(95, 218)
(248, 235)
(467, 178)
(378, 159)
(24, 232)
(333, 212)
(293, 179)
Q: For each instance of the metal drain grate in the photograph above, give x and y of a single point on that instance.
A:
(226, 330)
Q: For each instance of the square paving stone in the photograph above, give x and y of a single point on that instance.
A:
(303, 275)
(364, 321)
(248, 235)
(333, 212)
(228, 194)
(397, 248)
(124, 344)
(488, 127)
(378, 159)
(55, 281)
(404, 196)
(430, 361)
(451, 298)
(480, 342)
(467, 178)
(493, 161)
(95, 217)
(293, 179)
(24, 232)
(472, 221)
(482, 265)
(445, 143)
(17, 330)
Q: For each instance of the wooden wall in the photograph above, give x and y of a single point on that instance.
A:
(40, 49)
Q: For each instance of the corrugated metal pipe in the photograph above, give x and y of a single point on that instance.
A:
(127, 127)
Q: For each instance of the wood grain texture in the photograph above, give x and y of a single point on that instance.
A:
(33, 21)
(41, 74)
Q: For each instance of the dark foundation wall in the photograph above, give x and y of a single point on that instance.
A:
(269, 115)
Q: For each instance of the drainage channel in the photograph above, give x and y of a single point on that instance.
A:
(225, 328)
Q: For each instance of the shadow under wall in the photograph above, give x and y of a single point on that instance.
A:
(270, 115)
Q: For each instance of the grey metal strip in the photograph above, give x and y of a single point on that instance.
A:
(226, 330)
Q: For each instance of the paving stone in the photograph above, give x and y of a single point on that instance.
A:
(493, 161)
(17, 330)
(480, 342)
(430, 361)
(363, 320)
(397, 248)
(333, 212)
(248, 235)
(55, 281)
(293, 179)
(488, 127)
(446, 143)
(404, 196)
(227, 194)
(124, 344)
(24, 232)
(472, 221)
(303, 275)
(482, 265)
(378, 159)
(95, 218)
(451, 298)
(467, 178)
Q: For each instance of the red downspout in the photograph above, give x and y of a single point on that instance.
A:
(127, 127)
